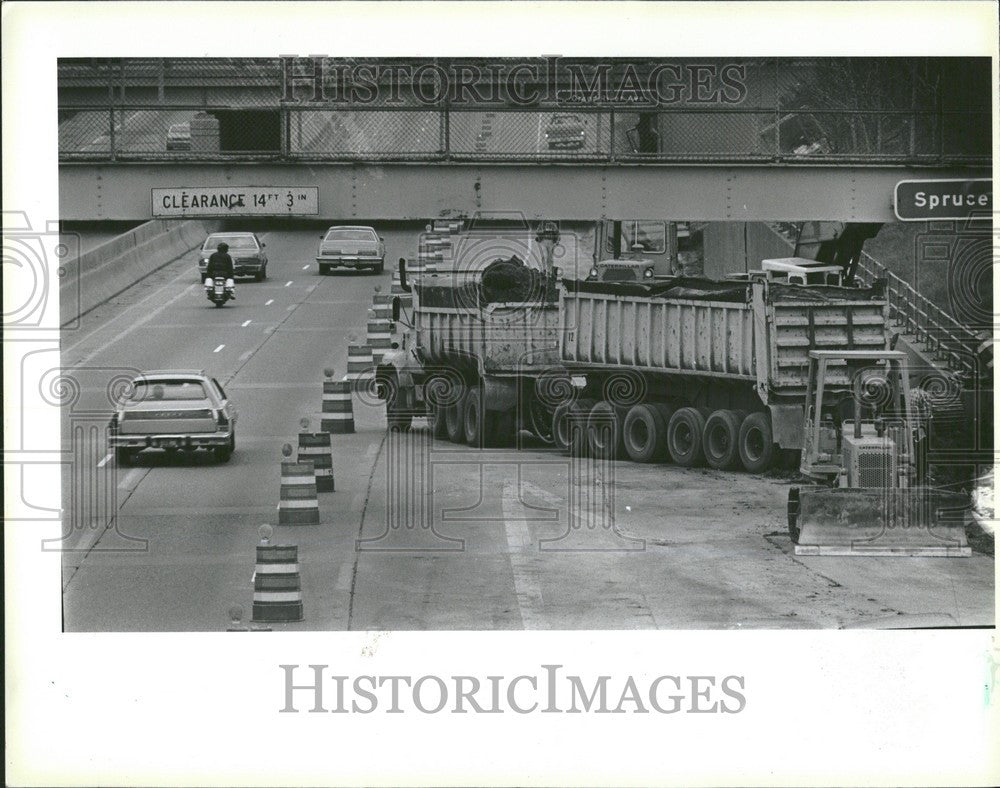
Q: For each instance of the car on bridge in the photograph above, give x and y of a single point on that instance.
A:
(351, 247)
(174, 410)
(179, 137)
(565, 132)
(246, 249)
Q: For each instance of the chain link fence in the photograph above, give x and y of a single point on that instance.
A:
(831, 110)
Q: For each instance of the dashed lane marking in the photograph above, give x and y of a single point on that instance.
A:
(269, 302)
(245, 323)
(104, 462)
(218, 348)
(289, 282)
(305, 268)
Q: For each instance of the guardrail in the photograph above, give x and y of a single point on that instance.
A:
(939, 333)
(599, 135)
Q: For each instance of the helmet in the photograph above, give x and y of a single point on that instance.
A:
(223, 247)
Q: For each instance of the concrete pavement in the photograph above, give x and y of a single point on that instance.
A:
(423, 534)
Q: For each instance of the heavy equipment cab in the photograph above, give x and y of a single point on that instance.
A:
(863, 437)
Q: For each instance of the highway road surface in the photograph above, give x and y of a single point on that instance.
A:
(421, 534)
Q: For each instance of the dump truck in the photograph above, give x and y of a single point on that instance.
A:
(684, 369)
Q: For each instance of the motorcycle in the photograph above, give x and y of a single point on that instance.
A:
(217, 292)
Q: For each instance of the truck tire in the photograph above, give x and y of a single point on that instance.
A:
(793, 514)
(684, 437)
(756, 442)
(436, 420)
(124, 457)
(476, 421)
(454, 423)
(569, 426)
(560, 425)
(666, 412)
(721, 440)
(644, 433)
(605, 430)
(398, 416)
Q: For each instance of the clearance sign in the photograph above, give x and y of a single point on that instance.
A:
(236, 201)
(921, 201)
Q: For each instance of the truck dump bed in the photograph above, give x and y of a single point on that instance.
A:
(758, 331)
(499, 338)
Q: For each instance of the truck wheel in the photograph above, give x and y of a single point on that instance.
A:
(435, 417)
(574, 426)
(560, 425)
(793, 514)
(721, 440)
(124, 456)
(684, 437)
(398, 412)
(540, 420)
(324, 270)
(605, 428)
(644, 433)
(476, 420)
(756, 442)
(454, 423)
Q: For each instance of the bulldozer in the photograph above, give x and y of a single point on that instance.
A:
(865, 450)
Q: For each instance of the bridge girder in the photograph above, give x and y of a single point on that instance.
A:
(122, 190)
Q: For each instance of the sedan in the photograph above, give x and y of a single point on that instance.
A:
(182, 410)
(179, 137)
(246, 249)
(351, 247)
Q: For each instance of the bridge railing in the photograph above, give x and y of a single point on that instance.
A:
(938, 332)
(299, 131)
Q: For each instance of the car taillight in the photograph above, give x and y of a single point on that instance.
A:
(648, 273)
(113, 424)
(221, 420)
(593, 273)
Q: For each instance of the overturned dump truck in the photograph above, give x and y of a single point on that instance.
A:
(682, 369)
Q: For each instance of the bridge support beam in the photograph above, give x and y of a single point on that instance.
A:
(397, 191)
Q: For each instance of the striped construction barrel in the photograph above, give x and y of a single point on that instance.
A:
(379, 336)
(360, 362)
(338, 408)
(298, 503)
(382, 306)
(314, 447)
(277, 586)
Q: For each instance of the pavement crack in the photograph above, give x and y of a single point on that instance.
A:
(361, 528)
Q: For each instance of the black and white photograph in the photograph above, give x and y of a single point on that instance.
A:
(586, 356)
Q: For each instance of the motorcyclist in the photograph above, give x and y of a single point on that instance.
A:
(221, 264)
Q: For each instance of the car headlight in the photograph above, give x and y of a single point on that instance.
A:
(593, 273)
(204, 261)
(648, 273)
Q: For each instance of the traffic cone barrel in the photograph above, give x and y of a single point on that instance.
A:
(338, 408)
(360, 362)
(314, 447)
(277, 586)
(298, 504)
(379, 335)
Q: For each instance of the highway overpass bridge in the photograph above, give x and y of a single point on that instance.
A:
(397, 140)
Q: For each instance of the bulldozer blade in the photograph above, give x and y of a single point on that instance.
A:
(917, 521)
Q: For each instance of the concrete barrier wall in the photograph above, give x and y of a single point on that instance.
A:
(115, 266)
